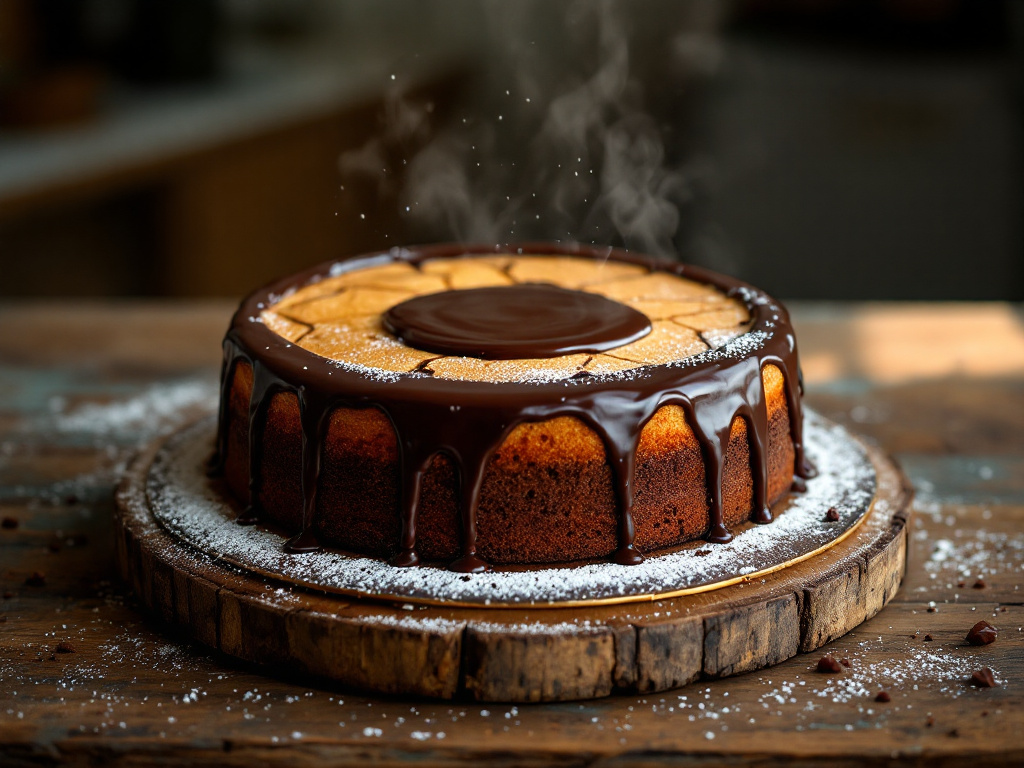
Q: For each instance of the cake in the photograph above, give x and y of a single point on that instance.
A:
(531, 405)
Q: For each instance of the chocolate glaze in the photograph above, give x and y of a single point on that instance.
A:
(468, 420)
(515, 322)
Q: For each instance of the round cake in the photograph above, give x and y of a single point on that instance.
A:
(536, 404)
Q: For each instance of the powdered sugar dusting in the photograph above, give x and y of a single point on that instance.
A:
(158, 406)
(184, 501)
(920, 667)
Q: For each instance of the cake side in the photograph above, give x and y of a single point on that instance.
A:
(547, 492)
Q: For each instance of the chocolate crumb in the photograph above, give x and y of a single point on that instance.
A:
(829, 664)
(8, 595)
(65, 646)
(3, 618)
(930, 722)
(53, 657)
(984, 713)
(979, 584)
(37, 579)
(9, 523)
(883, 697)
(953, 732)
(54, 546)
(845, 662)
(832, 515)
(1002, 609)
(983, 678)
(928, 638)
(982, 633)
(961, 584)
(932, 609)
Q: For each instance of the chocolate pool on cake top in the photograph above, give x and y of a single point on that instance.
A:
(510, 406)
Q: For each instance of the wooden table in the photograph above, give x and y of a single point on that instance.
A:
(86, 678)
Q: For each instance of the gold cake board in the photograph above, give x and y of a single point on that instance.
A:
(517, 654)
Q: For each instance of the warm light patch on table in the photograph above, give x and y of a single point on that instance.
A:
(891, 344)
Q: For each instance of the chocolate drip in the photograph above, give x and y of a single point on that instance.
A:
(264, 387)
(410, 483)
(468, 435)
(467, 421)
(314, 415)
(755, 411)
(215, 466)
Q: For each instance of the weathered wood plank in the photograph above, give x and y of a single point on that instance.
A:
(964, 552)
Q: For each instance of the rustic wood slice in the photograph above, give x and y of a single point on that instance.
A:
(512, 654)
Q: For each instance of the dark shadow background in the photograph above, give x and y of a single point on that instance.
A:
(824, 149)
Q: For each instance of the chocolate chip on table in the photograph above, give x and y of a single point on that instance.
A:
(832, 515)
(883, 697)
(65, 646)
(829, 664)
(37, 579)
(961, 584)
(845, 662)
(979, 584)
(930, 722)
(982, 633)
(983, 678)
(9, 523)
(928, 638)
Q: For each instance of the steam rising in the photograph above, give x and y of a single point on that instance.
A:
(567, 150)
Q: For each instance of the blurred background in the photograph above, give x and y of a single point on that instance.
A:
(824, 149)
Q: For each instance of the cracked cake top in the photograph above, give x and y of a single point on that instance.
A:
(340, 317)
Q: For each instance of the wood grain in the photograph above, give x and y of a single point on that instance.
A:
(505, 655)
(120, 698)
